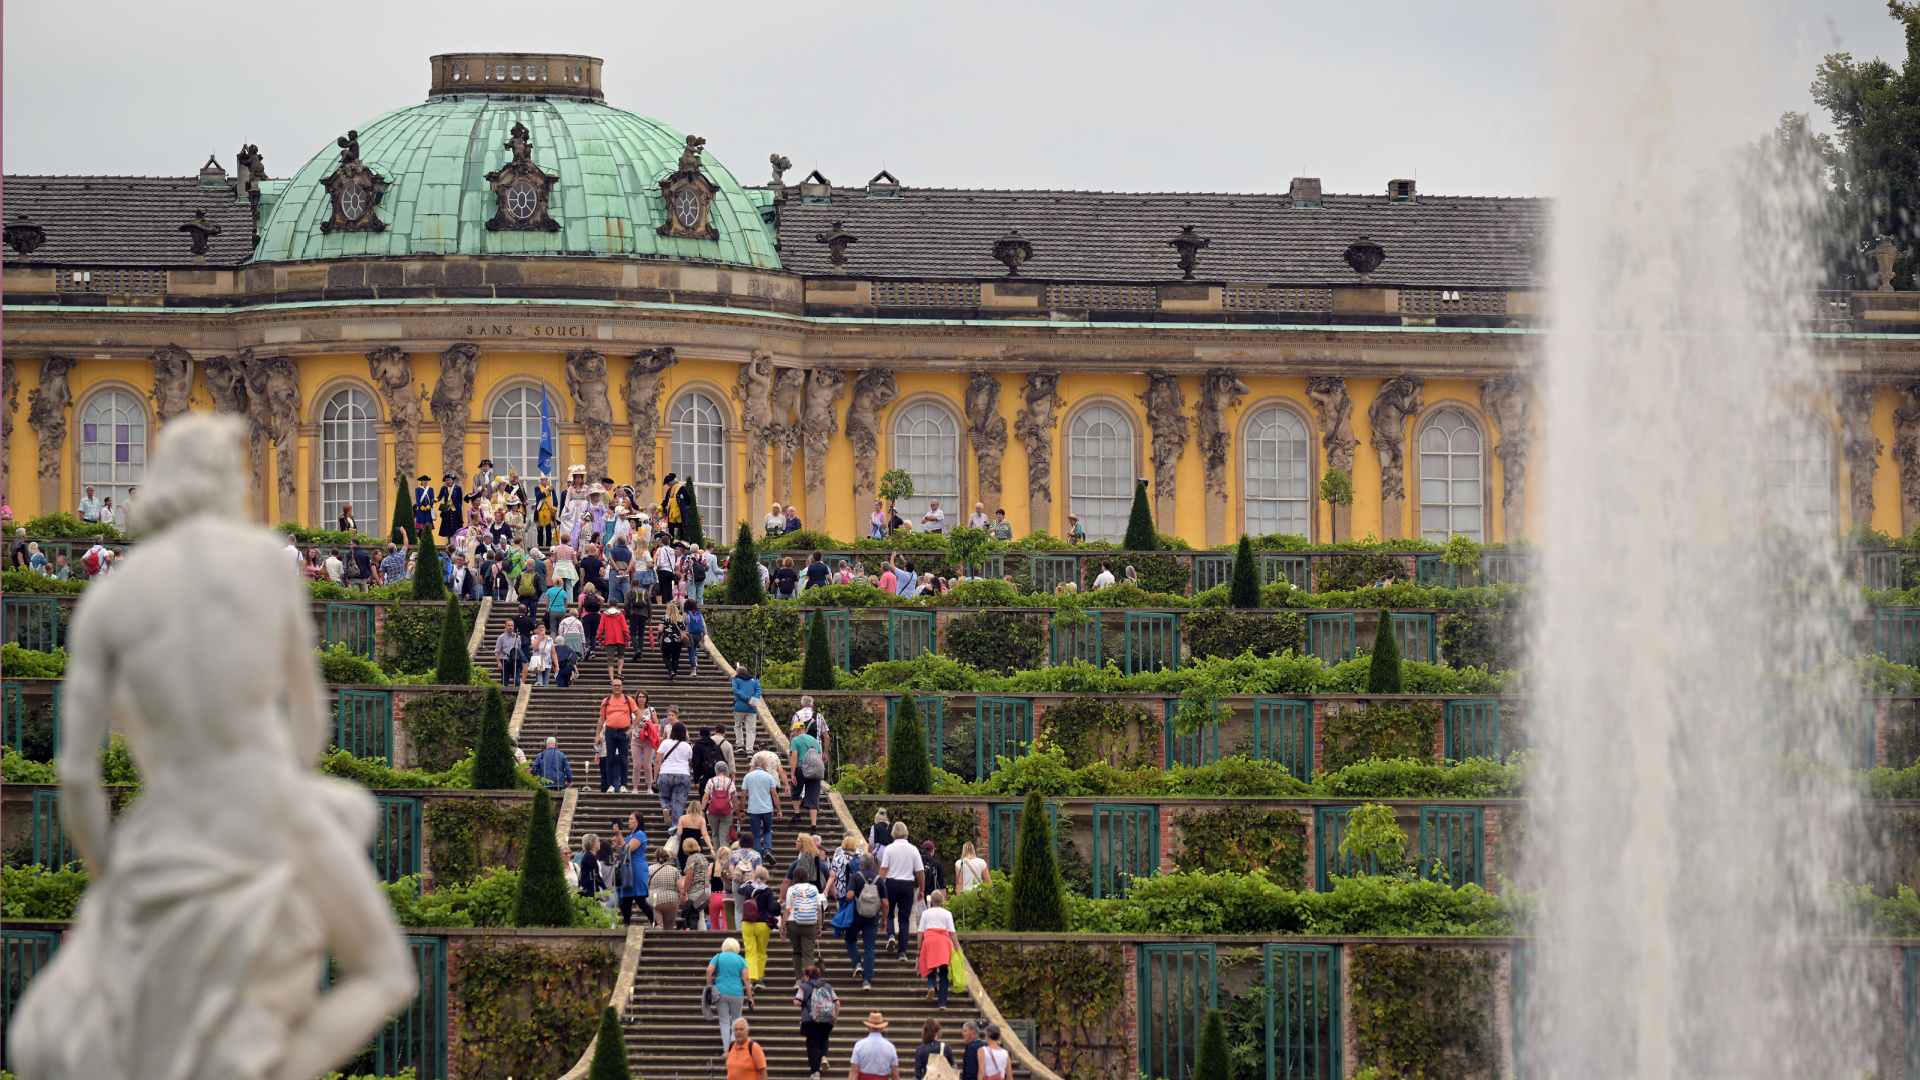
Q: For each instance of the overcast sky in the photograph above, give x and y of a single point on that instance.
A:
(1121, 95)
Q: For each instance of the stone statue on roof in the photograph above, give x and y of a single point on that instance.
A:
(518, 142)
(690, 157)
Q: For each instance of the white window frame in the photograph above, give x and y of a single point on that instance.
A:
(1464, 472)
(1291, 481)
(699, 456)
(349, 457)
(1101, 470)
(926, 433)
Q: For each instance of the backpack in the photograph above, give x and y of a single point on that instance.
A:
(823, 1005)
(867, 904)
(699, 568)
(93, 562)
(722, 804)
(813, 765)
(526, 583)
(696, 626)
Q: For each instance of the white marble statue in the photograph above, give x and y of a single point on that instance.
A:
(197, 951)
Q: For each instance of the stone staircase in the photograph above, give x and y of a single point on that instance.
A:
(668, 1040)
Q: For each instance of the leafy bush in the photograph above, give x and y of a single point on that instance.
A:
(62, 525)
(1383, 664)
(1222, 632)
(1160, 573)
(22, 663)
(1240, 840)
(1036, 902)
(33, 582)
(985, 594)
(1387, 730)
(1355, 571)
(374, 773)
(485, 901)
(997, 641)
(411, 634)
(1089, 730)
(15, 769)
(1404, 778)
(854, 594)
(329, 537)
(804, 540)
(1481, 639)
(38, 892)
(341, 666)
(742, 635)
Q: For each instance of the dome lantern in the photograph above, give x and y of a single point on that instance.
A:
(543, 74)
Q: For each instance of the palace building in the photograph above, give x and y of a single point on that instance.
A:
(413, 295)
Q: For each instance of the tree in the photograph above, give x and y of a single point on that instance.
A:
(610, 1049)
(1244, 589)
(896, 484)
(542, 897)
(1383, 675)
(1212, 1062)
(1036, 901)
(427, 582)
(1140, 534)
(454, 666)
(909, 769)
(743, 572)
(493, 763)
(402, 531)
(817, 673)
(690, 529)
(1876, 168)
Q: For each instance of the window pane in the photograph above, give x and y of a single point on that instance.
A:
(1451, 495)
(113, 450)
(1798, 472)
(1276, 472)
(1100, 471)
(699, 455)
(926, 443)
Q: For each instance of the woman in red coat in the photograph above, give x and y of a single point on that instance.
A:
(613, 640)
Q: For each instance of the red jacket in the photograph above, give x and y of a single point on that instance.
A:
(613, 630)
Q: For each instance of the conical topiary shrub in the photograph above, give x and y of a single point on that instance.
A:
(1244, 588)
(1213, 1061)
(610, 1049)
(428, 584)
(1383, 674)
(454, 666)
(690, 518)
(543, 897)
(493, 764)
(402, 530)
(1036, 902)
(1140, 534)
(817, 674)
(909, 769)
(743, 571)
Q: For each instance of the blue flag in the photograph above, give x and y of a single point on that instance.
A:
(546, 435)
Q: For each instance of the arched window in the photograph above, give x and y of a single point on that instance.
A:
(515, 442)
(926, 443)
(1450, 491)
(700, 457)
(1278, 473)
(1799, 452)
(350, 460)
(1100, 471)
(113, 446)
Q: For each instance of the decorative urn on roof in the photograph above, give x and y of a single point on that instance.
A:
(1883, 253)
(1013, 250)
(1365, 257)
(23, 236)
(837, 238)
(1188, 243)
(202, 230)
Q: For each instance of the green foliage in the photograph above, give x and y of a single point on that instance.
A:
(1074, 991)
(1140, 534)
(374, 773)
(1217, 905)
(770, 632)
(341, 666)
(527, 1008)
(22, 663)
(610, 1049)
(804, 540)
(909, 769)
(16, 769)
(1386, 730)
(1481, 638)
(1241, 840)
(1461, 552)
(996, 641)
(690, 528)
(1243, 590)
(302, 535)
(493, 761)
(966, 545)
(1403, 778)
(1161, 574)
(401, 530)
(854, 594)
(484, 901)
(62, 525)
(1356, 571)
(1373, 836)
(36, 892)
(1222, 632)
(1875, 168)
(116, 762)
(428, 584)
(994, 593)
(743, 574)
(1089, 730)
(1037, 901)
(1421, 1012)
(896, 484)
(1211, 1062)
(442, 728)
(1336, 488)
(818, 674)
(455, 665)
(1383, 670)
(1867, 912)
(949, 827)
(467, 835)
(35, 583)
(544, 898)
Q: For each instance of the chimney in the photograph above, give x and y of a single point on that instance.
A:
(1305, 192)
(816, 189)
(213, 174)
(1401, 191)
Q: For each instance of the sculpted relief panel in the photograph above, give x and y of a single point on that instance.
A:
(1166, 415)
(47, 406)
(592, 410)
(393, 375)
(452, 403)
(987, 431)
(641, 392)
(1035, 426)
(1398, 399)
(872, 391)
(753, 389)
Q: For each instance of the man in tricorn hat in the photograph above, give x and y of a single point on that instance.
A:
(423, 504)
(483, 479)
(452, 505)
(673, 505)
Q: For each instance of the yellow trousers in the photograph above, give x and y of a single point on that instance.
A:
(753, 936)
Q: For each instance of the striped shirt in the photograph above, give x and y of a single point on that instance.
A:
(803, 903)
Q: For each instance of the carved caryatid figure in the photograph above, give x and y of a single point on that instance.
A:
(10, 395)
(641, 392)
(1906, 451)
(1860, 447)
(753, 389)
(47, 415)
(872, 391)
(1398, 399)
(393, 373)
(1034, 426)
(1510, 403)
(211, 903)
(1220, 390)
(587, 380)
(452, 402)
(1333, 411)
(987, 430)
(782, 428)
(172, 382)
(818, 426)
(1166, 415)
(273, 403)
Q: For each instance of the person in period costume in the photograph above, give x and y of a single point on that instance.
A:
(546, 511)
(452, 504)
(675, 502)
(423, 499)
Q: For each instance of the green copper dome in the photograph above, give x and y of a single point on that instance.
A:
(435, 158)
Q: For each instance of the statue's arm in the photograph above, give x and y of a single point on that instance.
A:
(86, 697)
(306, 696)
